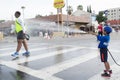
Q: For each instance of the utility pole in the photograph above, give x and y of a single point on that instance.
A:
(59, 4)
(23, 7)
(67, 15)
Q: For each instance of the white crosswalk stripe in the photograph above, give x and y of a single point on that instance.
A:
(54, 69)
(35, 73)
(6, 48)
(33, 49)
(48, 72)
(47, 55)
(69, 63)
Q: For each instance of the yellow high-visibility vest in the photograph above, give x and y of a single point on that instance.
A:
(18, 27)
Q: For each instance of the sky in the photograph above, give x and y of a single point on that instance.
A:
(45, 7)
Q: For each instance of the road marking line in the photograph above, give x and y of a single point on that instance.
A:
(34, 49)
(6, 48)
(47, 73)
(13, 47)
(69, 63)
(112, 50)
(41, 75)
(114, 76)
(32, 58)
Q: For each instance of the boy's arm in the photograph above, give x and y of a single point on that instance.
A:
(99, 37)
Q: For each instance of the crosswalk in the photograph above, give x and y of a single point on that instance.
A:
(68, 56)
(115, 75)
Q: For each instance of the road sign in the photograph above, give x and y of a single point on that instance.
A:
(59, 3)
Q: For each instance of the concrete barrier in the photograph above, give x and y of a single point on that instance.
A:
(1, 35)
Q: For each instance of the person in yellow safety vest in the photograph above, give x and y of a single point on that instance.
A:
(20, 30)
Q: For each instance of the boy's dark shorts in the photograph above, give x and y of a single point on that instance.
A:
(20, 35)
(104, 55)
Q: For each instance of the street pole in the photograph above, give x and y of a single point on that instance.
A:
(91, 23)
(59, 4)
(23, 7)
(67, 15)
(58, 9)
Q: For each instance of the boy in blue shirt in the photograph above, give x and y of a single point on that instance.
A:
(104, 40)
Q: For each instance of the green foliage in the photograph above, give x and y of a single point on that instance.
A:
(38, 16)
(89, 9)
(69, 10)
(79, 7)
(100, 17)
(2, 21)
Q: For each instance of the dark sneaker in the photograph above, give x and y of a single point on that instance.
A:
(105, 75)
(110, 71)
(27, 53)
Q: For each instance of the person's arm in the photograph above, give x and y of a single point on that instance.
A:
(106, 40)
(99, 37)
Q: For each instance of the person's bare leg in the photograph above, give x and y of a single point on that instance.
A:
(107, 66)
(19, 45)
(25, 45)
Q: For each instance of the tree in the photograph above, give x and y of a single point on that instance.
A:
(2, 21)
(89, 9)
(100, 17)
(38, 16)
(79, 7)
(69, 10)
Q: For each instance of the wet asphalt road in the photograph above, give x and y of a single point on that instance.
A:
(73, 58)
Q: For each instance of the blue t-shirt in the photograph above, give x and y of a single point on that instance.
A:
(104, 40)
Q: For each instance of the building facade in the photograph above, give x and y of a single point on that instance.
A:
(113, 14)
(113, 17)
